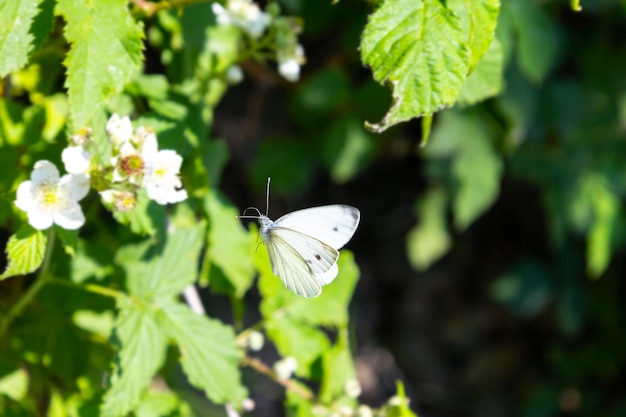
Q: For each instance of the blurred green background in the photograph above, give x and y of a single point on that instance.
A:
(492, 259)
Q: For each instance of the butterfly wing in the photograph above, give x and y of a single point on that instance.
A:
(334, 224)
(303, 263)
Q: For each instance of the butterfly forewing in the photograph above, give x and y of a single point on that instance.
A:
(334, 225)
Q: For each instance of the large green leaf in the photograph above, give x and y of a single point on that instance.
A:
(417, 46)
(297, 339)
(537, 38)
(429, 239)
(105, 53)
(141, 353)
(209, 356)
(330, 308)
(25, 250)
(161, 273)
(230, 248)
(476, 166)
(487, 79)
(483, 18)
(338, 369)
(16, 39)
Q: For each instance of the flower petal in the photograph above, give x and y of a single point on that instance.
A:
(76, 186)
(71, 217)
(40, 219)
(76, 159)
(24, 196)
(44, 172)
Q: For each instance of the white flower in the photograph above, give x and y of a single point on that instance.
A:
(129, 164)
(243, 13)
(121, 200)
(76, 160)
(234, 74)
(144, 136)
(289, 63)
(352, 388)
(256, 340)
(161, 176)
(119, 129)
(285, 367)
(364, 411)
(48, 199)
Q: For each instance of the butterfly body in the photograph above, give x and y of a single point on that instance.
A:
(303, 246)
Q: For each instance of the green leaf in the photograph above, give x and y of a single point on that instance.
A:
(486, 81)
(13, 381)
(429, 240)
(145, 219)
(417, 46)
(330, 308)
(230, 248)
(69, 238)
(25, 250)
(537, 38)
(526, 289)
(347, 147)
(399, 404)
(476, 166)
(209, 356)
(105, 53)
(161, 273)
(483, 19)
(605, 206)
(16, 39)
(294, 338)
(141, 352)
(162, 403)
(338, 369)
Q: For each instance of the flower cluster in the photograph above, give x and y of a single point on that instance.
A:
(47, 198)
(279, 33)
(138, 163)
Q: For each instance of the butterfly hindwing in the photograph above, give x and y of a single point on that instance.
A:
(333, 225)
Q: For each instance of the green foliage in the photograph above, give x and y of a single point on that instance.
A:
(425, 50)
(25, 251)
(16, 39)
(105, 53)
(141, 347)
(102, 320)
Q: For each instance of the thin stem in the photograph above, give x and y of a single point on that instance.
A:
(262, 368)
(40, 281)
(94, 288)
(291, 385)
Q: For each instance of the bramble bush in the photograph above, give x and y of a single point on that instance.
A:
(114, 218)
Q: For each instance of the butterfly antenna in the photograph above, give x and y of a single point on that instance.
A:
(267, 197)
(245, 216)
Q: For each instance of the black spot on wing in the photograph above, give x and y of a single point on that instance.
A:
(318, 257)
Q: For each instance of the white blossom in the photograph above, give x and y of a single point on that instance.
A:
(76, 160)
(119, 129)
(352, 388)
(285, 367)
(234, 74)
(256, 340)
(47, 198)
(161, 177)
(121, 200)
(364, 411)
(289, 63)
(243, 13)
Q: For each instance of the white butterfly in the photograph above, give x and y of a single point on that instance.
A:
(304, 245)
